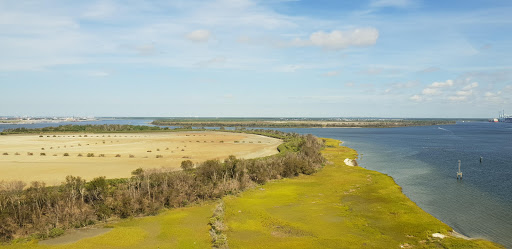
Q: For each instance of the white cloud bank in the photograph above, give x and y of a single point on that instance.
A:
(337, 39)
(200, 35)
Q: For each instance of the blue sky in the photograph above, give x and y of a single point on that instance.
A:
(268, 58)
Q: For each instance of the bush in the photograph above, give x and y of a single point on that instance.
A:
(159, 156)
(5, 154)
(17, 153)
(90, 154)
(42, 154)
(187, 165)
(66, 154)
(41, 136)
(131, 156)
(79, 155)
(101, 155)
(55, 232)
(30, 154)
(118, 155)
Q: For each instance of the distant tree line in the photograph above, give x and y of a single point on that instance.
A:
(304, 124)
(39, 211)
(85, 128)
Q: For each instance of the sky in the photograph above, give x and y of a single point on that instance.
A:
(249, 58)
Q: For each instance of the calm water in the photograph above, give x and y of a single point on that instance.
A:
(423, 160)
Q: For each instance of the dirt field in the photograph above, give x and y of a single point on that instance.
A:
(34, 158)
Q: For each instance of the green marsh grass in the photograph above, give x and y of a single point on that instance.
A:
(338, 207)
(177, 228)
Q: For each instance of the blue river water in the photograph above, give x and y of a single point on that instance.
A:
(423, 161)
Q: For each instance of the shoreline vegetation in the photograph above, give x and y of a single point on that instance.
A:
(292, 199)
(299, 123)
(40, 212)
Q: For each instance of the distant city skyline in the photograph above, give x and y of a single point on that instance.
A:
(247, 58)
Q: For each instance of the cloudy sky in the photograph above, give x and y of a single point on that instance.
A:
(268, 58)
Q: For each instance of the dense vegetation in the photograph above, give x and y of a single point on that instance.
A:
(40, 211)
(85, 128)
(382, 123)
(337, 207)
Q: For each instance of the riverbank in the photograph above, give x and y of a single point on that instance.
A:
(338, 207)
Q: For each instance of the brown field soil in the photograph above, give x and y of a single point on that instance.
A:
(171, 147)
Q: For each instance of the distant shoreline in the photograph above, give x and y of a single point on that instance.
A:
(39, 121)
(301, 123)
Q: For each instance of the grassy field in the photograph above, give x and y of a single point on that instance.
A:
(177, 228)
(338, 207)
(34, 158)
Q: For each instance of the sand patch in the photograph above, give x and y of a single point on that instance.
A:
(72, 236)
(52, 157)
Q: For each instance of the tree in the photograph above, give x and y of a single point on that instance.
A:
(187, 165)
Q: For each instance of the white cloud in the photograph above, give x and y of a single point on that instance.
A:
(471, 86)
(100, 74)
(442, 84)
(331, 73)
(337, 39)
(458, 98)
(431, 91)
(416, 98)
(200, 35)
(349, 84)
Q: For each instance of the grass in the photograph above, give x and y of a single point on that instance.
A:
(338, 207)
(178, 228)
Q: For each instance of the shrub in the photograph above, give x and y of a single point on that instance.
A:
(42, 148)
(90, 154)
(79, 154)
(55, 232)
(187, 165)
(17, 154)
(159, 156)
(167, 148)
(42, 154)
(182, 149)
(66, 154)
(40, 135)
(118, 155)
(101, 155)
(54, 154)
(54, 136)
(131, 156)
(30, 154)
(85, 135)
(157, 149)
(221, 141)
(5, 154)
